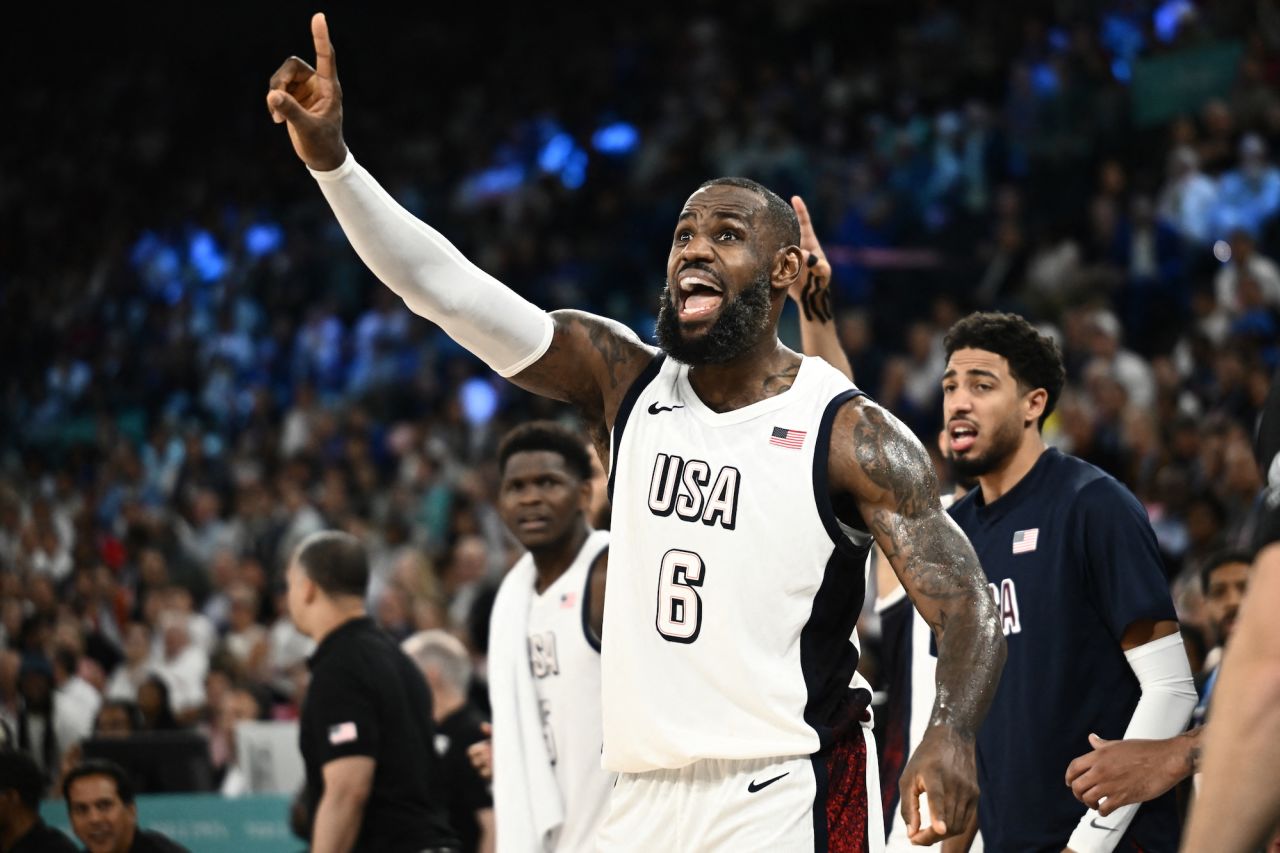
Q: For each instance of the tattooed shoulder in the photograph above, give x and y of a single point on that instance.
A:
(590, 363)
(888, 456)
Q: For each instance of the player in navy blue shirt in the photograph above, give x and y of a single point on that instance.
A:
(1074, 568)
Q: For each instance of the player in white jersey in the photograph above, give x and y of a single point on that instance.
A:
(544, 679)
(747, 483)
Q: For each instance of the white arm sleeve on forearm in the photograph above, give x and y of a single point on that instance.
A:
(433, 278)
(1168, 698)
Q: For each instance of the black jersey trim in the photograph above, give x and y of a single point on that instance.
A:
(592, 640)
(828, 656)
(624, 411)
(897, 660)
(821, 781)
(821, 476)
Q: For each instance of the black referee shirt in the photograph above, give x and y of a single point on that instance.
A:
(367, 698)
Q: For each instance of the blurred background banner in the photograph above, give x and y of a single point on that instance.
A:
(208, 823)
(267, 753)
(1164, 87)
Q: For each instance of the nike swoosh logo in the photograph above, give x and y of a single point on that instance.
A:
(1094, 823)
(654, 408)
(756, 786)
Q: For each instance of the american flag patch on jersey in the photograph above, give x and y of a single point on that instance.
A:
(1024, 541)
(792, 438)
(342, 733)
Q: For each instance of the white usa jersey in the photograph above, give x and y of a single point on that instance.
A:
(564, 658)
(733, 589)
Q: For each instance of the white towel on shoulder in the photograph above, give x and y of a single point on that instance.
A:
(526, 796)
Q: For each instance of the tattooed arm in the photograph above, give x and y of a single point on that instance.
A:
(877, 461)
(812, 295)
(591, 363)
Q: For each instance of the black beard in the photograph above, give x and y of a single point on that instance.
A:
(1004, 443)
(736, 330)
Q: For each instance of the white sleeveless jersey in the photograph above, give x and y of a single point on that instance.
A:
(565, 660)
(733, 589)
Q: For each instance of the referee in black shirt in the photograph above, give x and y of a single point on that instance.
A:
(366, 732)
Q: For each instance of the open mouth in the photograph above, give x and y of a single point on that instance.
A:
(962, 435)
(698, 295)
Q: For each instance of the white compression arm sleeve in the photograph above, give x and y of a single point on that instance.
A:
(1168, 698)
(433, 278)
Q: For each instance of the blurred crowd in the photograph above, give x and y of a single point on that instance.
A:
(199, 372)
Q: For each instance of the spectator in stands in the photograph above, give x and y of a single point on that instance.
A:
(246, 641)
(182, 665)
(287, 648)
(447, 667)
(1245, 261)
(239, 704)
(76, 700)
(117, 718)
(1128, 368)
(38, 716)
(1248, 195)
(135, 667)
(104, 815)
(154, 705)
(21, 828)
(1188, 198)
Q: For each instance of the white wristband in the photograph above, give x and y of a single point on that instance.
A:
(1168, 698)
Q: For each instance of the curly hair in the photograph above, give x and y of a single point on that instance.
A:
(1034, 360)
(551, 437)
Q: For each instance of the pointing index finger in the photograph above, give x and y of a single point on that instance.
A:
(802, 214)
(325, 65)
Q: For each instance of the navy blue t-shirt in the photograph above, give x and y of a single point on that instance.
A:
(1072, 562)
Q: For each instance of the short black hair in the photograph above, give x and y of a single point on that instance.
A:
(1034, 359)
(99, 767)
(336, 561)
(1217, 561)
(130, 710)
(779, 216)
(551, 437)
(19, 772)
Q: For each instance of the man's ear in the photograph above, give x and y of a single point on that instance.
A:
(585, 490)
(1034, 403)
(788, 267)
(310, 590)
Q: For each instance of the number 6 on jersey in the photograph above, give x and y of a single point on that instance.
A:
(679, 605)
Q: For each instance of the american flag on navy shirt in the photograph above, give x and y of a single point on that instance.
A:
(1024, 541)
(342, 733)
(792, 438)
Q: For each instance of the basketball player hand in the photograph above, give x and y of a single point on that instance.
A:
(309, 101)
(811, 291)
(1120, 772)
(481, 753)
(943, 768)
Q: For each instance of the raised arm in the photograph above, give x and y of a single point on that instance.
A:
(570, 356)
(883, 467)
(812, 295)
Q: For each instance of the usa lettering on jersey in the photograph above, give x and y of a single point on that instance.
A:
(542, 655)
(1006, 599)
(687, 489)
